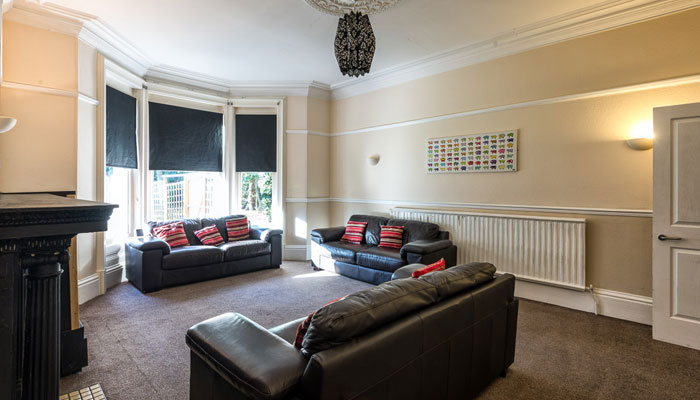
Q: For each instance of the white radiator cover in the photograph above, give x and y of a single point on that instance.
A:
(546, 250)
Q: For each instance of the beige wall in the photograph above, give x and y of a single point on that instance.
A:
(307, 168)
(39, 153)
(571, 154)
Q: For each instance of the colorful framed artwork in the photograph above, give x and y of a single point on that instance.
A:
(487, 152)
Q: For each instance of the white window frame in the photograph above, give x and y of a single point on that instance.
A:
(272, 106)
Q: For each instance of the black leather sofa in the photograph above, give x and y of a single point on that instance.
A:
(423, 242)
(446, 335)
(152, 265)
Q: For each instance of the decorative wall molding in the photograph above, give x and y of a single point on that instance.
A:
(306, 132)
(605, 16)
(113, 275)
(168, 75)
(88, 288)
(626, 306)
(615, 212)
(552, 100)
(86, 27)
(610, 14)
(52, 91)
(87, 99)
(297, 252)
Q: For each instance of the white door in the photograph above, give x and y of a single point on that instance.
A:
(676, 242)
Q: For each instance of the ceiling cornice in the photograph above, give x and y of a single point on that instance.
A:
(604, 16)
(168, 74)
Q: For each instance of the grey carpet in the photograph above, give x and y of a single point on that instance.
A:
(137, 349)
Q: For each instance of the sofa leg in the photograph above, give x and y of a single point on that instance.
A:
(504, 373)
(315, 267)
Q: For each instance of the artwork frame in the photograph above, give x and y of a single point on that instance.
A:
(467, 153)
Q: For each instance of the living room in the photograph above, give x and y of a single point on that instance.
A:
(583, 212)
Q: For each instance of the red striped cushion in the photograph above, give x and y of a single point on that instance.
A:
(237, 229)
(210, 236)
(354, 232)
(173, 234)
(436, 266)
(304, 326)
(391, 236)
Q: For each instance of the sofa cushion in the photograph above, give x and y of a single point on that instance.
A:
(391, 237)
(192, 256)
(436, 266)
(245, 249)
(237, 229)
(173, 234)
(210, 236)
(374, 224)
(354, 232)
(381, 258)
(220, 224)
(190, 226)
(460, 278)
(365, 311)
(416, 230)
(343, 251)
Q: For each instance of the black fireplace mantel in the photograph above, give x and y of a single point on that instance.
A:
(35, 233)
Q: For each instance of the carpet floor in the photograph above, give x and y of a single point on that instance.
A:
(137, 349)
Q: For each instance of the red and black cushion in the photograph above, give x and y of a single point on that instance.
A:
(436, 266)
(210, 236)
(173, 234)
(391, 236)
(237, 229)
(354, 232)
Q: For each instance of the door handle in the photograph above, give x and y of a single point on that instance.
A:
(664, 237)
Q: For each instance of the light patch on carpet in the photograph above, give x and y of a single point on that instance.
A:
(319, 274)
(93, 392)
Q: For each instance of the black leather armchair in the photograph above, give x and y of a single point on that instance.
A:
(423, 242)
(374, 344)
(151, 264)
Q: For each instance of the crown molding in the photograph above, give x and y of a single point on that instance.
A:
(85, 27)
(601, 17)
(171, 75)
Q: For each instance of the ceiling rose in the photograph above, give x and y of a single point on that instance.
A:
(342, 7)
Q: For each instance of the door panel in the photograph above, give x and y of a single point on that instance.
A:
(676, 240)
(686, 167)
(686, 284)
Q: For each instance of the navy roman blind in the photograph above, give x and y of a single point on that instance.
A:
(120, 140)
(256, 143)
(184, 139)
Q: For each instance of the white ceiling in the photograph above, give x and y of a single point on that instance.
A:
(287, 40)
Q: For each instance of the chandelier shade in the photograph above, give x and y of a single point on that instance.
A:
(354, 44)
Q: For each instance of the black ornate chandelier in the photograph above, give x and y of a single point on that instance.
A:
(354, 40)
(354, 44)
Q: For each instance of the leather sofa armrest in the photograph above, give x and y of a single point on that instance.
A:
(324, 235)
(145, 243)
(406, 271)
(257, 363)
(423, 247)
(257, 232)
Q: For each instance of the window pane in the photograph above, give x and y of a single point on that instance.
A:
(117, 184)
(180, 194)
(256, 197)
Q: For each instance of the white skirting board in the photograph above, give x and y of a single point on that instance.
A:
(610, 303)
(89, 287)
(297, 252)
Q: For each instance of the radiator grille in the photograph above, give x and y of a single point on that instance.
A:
(540, 249)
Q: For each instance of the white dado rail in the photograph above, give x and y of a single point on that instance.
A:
(547, 250)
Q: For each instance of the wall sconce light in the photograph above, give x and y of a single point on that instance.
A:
(642, 136)
(374, 159)
(7, 123)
